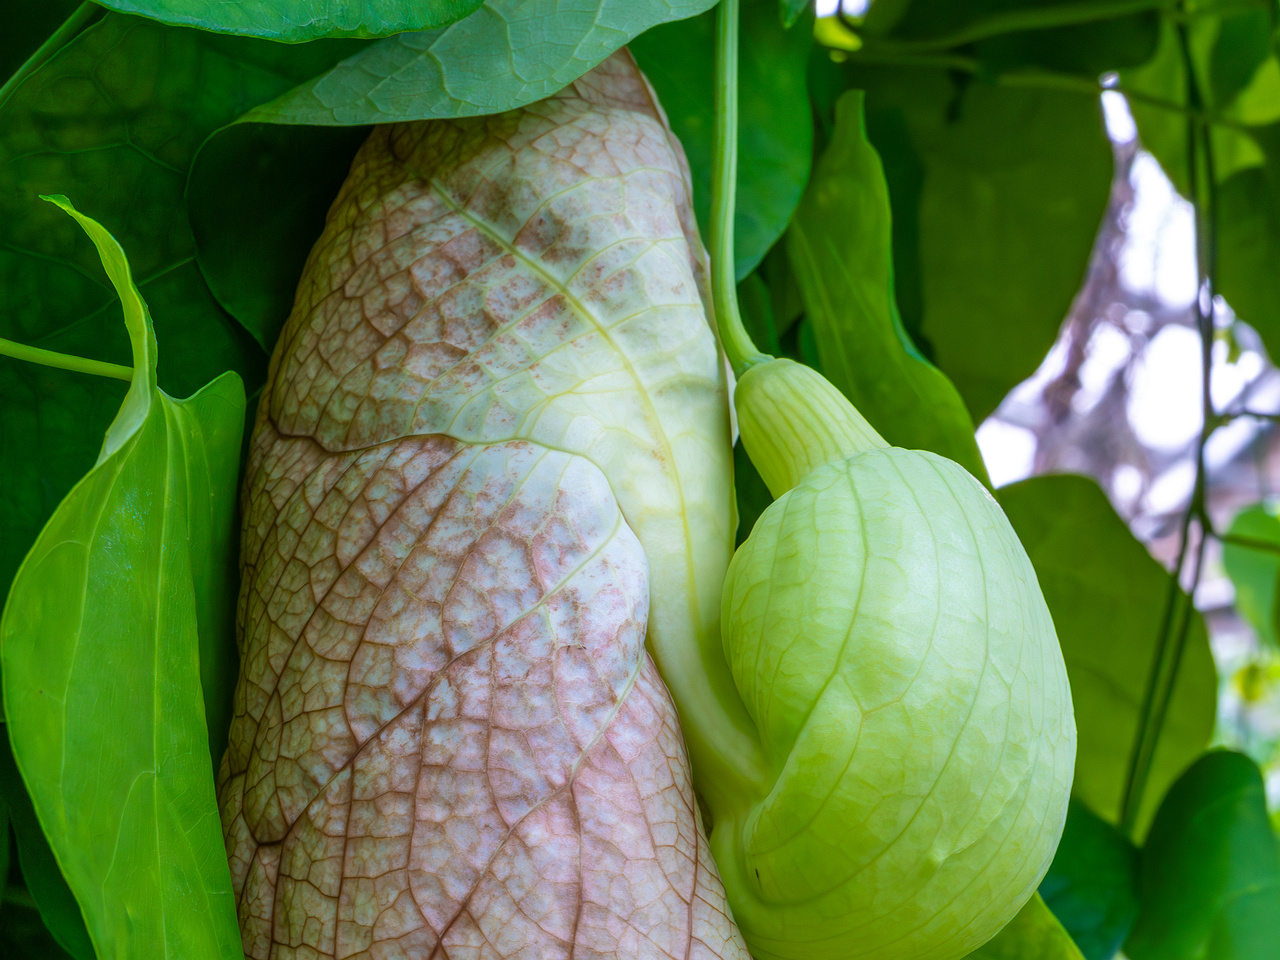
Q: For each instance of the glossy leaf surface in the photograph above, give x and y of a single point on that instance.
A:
(101, 647)
(1210, 868)
(294, 21)
(1034, 934)
(775, 130)
(840, 249)
(496, 439)
(507, 54)
(1092, 884)
(1107, 596)
(114, 120)
(56, 905)
(1255, 570)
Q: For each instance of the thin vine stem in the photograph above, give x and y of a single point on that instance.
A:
(735, 340)
(63, 361)
(1179, 610)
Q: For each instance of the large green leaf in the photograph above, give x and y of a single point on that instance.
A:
(1015, 182)
(101, 647)
(49, 892)
(1254, 571)
(1108, 596)
(1248, 218)
(840, 248)
(24, 28)
(114, 118)
(507, 54)
(1091, 886)
(294, 21)
(775, 130)
(1210, 869)
(1033, 934)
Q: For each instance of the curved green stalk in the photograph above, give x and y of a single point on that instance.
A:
(63, 361)
(739, 348)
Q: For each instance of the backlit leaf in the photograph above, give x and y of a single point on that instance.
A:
(1033, 934)
(1254, 570)
(101, 642)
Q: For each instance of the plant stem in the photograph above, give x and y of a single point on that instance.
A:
(1180, 608)
(735, 340)
(80, 18)
(63, 361)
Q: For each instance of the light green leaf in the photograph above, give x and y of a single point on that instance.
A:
(1108, 596)
(1210, 869)
(114, 118)
(840, 248)
(57, 906)
(295, 21)
(1015, 184)
(101, 647)
(1254, 571)
(1033, 934)
(775, 129)
(507, 54)
(1092, 884)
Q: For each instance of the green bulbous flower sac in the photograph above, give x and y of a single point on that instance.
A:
(886, 631)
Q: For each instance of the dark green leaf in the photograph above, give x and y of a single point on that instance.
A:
(101, 647)
(1086, 49)
(1254, 571)
(1210, 869)
(841, 252)
(25, 26)
(114, 120)
(1014, 187)
(1249, 241)
(775, 132)
(507, 54)
(938, 24)
(257, 197)
(44, 881)
(1244, 42)
(1033, 934)
(1092, 884)
(753, 496)
(789, 11)
(295, 21)
(1108, 596)
(23, 935)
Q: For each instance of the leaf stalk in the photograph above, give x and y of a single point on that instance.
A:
(64, 361)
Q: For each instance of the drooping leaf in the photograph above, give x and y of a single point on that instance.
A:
(1014, 187)
(1092, 885)
(507, 54)
(1033, 934)
(840, 248)
(1254, 570)
(479, 503)
(1210, 868)
(1108, 596)
(101, 644)
(775, 129)
(114, 118)
(296, 21)
(257, 198)
(54, 904)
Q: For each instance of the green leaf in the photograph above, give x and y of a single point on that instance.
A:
(753, 496)
(1108, 597)
(1015, 184)
(101, 647)
(257, 197)
(789, 11)
(840, 248)
(25, 27)
(1243, 43)
(1085, 49)
(1254, 571)
(1248, 220)
(295, 21)
(114, 118)
(1033, 934)
(775, 129)
(23, 935)
(1210, 869)
(1091, 886)
(48, 889)
(507, 54)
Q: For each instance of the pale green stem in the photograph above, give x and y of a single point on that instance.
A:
(80, 18)
(738, 347)
(50, 358)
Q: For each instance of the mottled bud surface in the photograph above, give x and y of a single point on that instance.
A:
(492, 458)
